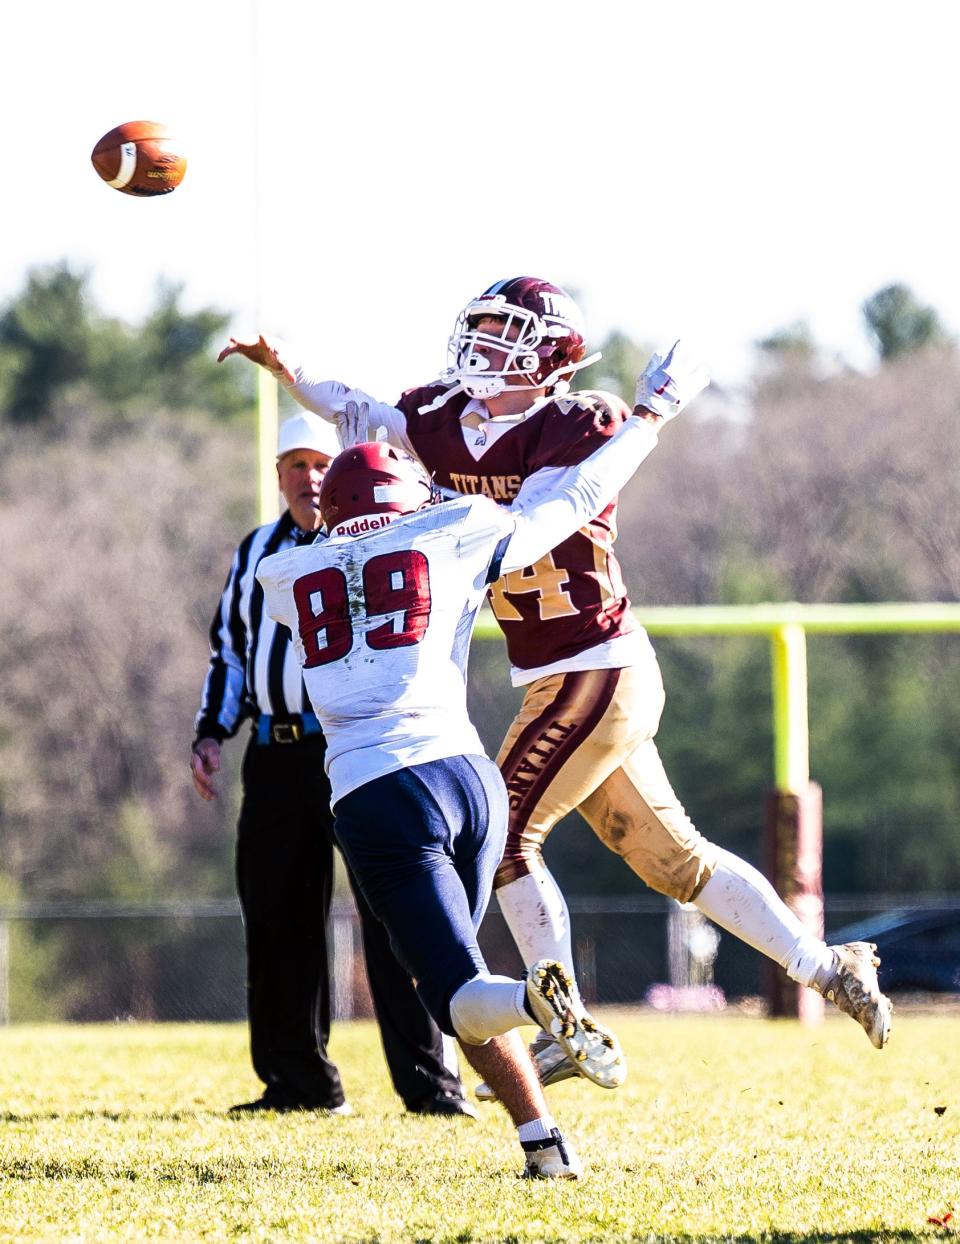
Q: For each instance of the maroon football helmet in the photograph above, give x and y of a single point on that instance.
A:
(370, 479)
(541, 338)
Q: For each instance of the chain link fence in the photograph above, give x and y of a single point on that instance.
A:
(184, 961)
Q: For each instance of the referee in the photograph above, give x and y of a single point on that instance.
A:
(285, 835)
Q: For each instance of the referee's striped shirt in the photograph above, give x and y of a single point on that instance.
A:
(253, 667)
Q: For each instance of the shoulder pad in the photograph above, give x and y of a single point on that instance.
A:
(593, 399)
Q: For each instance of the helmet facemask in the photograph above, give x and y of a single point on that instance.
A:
(540, 348)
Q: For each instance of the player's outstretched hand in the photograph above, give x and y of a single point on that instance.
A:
(258, 350)
(668, 384)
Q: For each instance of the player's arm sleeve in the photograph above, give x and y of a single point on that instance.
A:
(223, 704)
(555, 502)
(357, 416)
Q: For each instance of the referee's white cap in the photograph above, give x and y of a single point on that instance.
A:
(308, 431)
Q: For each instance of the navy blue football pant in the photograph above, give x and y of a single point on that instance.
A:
(423, 844)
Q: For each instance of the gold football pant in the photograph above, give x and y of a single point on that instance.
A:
(585, 740)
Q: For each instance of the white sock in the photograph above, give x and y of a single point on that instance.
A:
(537, 917)
(450, 1059)
(536, 1129)
(488, 1006)
(741, 900)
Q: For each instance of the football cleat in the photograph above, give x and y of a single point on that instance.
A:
(551, 1060)
(594, 1051)
(852, 986)
(553, 1158)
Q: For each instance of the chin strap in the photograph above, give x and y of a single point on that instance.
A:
(566, 372)
(558, 386)
(455, 387)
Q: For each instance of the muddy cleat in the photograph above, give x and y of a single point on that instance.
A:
(551, 1060)
(594, 1051)
(553, 1158)
(853, 987)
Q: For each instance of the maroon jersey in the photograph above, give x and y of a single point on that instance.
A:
(574, 598)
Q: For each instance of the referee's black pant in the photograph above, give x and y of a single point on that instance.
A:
(285, 883)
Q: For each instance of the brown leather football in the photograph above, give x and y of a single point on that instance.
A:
(141, 158)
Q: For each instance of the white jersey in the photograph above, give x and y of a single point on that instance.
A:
(382, 625)
(381, 621)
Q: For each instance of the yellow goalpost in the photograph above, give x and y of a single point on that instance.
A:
(268, 504)
(793, 820)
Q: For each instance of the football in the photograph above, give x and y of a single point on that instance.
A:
(141, 158)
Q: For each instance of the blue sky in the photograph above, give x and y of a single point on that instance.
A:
(357, 172)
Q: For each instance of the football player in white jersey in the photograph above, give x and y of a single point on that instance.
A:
(381, 608)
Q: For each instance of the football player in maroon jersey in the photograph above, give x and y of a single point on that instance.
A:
(584, 736)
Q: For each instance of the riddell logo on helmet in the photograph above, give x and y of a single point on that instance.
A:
(367, 522)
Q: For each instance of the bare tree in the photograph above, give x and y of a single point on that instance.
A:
(116, 544)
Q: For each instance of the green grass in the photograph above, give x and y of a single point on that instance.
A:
(728, 1127)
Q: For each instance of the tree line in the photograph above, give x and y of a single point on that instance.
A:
(127, 479)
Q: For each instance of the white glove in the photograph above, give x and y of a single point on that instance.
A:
(667, 385)
(353, 423)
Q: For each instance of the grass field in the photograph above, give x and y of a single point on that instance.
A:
(728, 1127)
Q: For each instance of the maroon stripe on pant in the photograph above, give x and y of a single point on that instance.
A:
(543, 748)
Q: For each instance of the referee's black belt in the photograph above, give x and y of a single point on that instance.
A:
(286, 729)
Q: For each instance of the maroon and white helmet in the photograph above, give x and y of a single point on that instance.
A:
(549, 338)
(372, 481)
